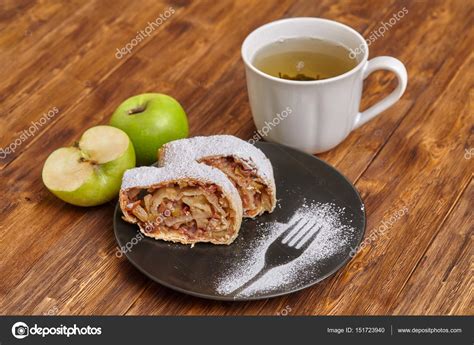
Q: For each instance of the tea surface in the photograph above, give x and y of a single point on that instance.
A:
(304, 59)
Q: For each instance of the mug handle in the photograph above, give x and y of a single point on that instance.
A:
(383, 63)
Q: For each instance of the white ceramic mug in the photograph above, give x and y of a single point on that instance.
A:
(319, 114)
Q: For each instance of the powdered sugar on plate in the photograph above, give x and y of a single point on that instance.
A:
(331, 240)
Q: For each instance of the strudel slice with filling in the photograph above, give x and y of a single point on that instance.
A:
(244, 164)
(182, 203)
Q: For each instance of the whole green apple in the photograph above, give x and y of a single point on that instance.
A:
(150, 120)
(90, 172)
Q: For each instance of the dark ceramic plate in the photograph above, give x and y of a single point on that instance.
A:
(209, 271)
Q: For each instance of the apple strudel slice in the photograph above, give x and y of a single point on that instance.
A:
(182, 203)
(244, 164)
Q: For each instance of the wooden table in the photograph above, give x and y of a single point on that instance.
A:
(60, 259)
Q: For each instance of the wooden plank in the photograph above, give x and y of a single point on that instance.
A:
(408, 40)
(34, 49)
(67, 271)
(33, 21)
(441, 283)
(61, 75)
(422, 164)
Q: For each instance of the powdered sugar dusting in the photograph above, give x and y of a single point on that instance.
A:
(195, 148)
(144, 177)
(331, 240)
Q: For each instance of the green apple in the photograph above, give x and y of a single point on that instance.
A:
(150, 120)
(90, 172)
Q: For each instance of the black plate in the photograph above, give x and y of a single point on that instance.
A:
(200, 271)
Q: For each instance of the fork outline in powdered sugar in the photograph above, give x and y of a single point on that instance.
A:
(288, 246)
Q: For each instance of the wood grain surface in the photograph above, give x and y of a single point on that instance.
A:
(418, 155)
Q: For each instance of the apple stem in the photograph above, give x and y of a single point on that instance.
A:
(83, 160)
(137, 110)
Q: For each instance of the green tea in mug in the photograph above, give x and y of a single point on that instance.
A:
(304, 59)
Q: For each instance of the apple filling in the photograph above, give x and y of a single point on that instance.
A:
(253, 191)
(194, 210)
